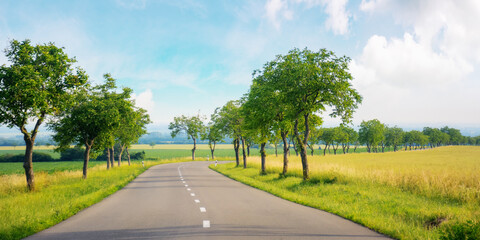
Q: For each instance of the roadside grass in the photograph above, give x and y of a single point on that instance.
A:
(406, 195)
(59, 195)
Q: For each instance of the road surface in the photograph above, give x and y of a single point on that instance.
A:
(190, 201)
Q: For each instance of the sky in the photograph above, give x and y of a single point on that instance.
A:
(415, 63)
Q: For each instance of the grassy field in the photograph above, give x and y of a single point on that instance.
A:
(422, 194)
(58, 196)
(48, 167)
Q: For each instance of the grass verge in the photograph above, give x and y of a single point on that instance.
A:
(58, 196)
(349, 189)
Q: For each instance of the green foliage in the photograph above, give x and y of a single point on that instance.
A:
(394, 136)
(37, 157)
(38, 83)
(371, 133)
(192, 126)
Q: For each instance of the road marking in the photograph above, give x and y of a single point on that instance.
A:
(202, 209)
(206, 223)
(188, 189)
(197, 201)
(183, 182)
(186, 185)
(192, 194)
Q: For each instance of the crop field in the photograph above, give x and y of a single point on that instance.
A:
(48, 167)
(421, 194)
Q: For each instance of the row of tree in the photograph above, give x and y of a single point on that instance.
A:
(286, 98)
(41, 85)
(284, 106)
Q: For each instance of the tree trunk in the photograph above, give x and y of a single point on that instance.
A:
(244, 155)
(263, 155)
(325, 149)
(194, 148)
(212, 149)
(302, 144)
(112, 156)
(236, 146)
(335, 149)
(108, 157)
(122, 147)
(28, 163)
(276, 145)
(286, 152)
(86, 157)
(248, 149)
(128, 155)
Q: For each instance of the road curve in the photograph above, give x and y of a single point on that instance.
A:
(190, 201)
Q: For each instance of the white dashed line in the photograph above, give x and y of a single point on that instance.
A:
(197, 201)
(188, 189)
(206, 223)
(192, 194)
(183, 181)
(202, 209)
(186, 185)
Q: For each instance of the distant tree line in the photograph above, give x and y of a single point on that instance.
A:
(40, 85)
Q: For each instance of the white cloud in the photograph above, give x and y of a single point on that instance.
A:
(276, 11)
(145, 100)
(428, 74)
(449, 26)
(338, 16)
(403, 62)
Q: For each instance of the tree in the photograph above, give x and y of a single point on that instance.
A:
(328, 137)
(94, 116)
(371, 133)
(394, 137)
(346, 135)
(192, 126)
(308, 82)
(455, 135)
(230, 122)
(133, 123)
(39, 83)
(152, 144)
(213, 133)
(259, 111)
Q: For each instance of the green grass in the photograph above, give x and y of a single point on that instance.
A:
(58, 196)
(48, 167)
(407, 195)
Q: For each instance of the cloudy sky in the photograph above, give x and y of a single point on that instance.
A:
(415, 63)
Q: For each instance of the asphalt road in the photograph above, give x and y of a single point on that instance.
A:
(190, 201)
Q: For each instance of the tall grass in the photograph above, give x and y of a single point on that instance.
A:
(407, 195)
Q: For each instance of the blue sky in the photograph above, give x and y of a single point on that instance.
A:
(414, 62)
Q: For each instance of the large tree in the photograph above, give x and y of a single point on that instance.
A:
(90, 122)
(192, 126)
(308, 83)
(38, 83)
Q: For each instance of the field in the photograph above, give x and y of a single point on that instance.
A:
(421, 194)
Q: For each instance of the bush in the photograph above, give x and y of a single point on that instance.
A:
(138, 155)
(72, 154)
(36, 157)
(461, 231)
